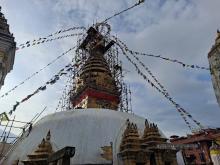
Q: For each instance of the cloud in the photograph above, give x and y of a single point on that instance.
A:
(183, 30)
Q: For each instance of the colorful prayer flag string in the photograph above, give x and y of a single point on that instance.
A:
(40, 39)
(37, 72)
(160, 57)
(52, 81)
(116, 14)
(177, 106)
(45, 40)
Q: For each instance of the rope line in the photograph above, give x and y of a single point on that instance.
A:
(52, 81)
(36, 73)
(50, 35)
(161, 57)
(45, 40)
(116, 14)
(162, 87)
(177, 106)
(172, 60)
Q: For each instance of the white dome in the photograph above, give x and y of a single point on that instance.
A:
(87, 130)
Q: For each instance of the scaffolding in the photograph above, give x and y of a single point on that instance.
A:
(13, 131)
(98, 32)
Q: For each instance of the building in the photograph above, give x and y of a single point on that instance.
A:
(214, 62)
(95, 127)
(7, 49)
(201, 143)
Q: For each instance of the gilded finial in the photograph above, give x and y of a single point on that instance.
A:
(129, 125)
(217, 40)
(146, 123)
(127, 121)
(132, 125)
(42, 143)
(48, 136)
(135, 126)
(218, 33)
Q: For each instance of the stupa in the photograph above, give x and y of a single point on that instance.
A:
(95, 126)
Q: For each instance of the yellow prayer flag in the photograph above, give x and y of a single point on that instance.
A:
(4, 117)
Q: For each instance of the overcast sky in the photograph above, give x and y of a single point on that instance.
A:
(178, 29)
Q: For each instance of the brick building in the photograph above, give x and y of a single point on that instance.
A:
(203, 140)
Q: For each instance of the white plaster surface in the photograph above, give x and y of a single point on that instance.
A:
(85, 129)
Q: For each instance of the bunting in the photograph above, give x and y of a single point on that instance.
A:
(116, 14)
(50, 35)
(66, 91)
(165, 94)
(36, 73)
(52, 81)
(160, 57)
(45, 40)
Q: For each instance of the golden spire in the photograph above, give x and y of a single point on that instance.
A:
(217, 40)
(96, 73)
(48, 136)
(95, 86)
